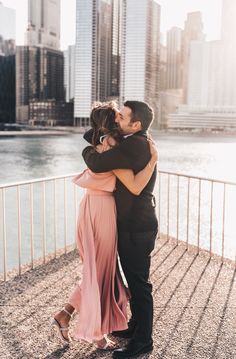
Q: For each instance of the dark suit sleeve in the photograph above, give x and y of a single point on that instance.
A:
(88, 136)
(108, 160)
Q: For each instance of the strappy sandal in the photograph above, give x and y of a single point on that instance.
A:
(61, 329)
(108, 346)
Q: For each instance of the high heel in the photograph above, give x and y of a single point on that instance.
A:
(55, 323)
(108, 346)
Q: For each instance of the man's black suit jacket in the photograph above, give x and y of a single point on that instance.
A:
(134, 213)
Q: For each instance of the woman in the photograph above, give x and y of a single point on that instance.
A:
(101, 298)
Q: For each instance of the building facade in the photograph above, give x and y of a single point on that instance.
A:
(93, 55)
(7, 88)
(69, 73)
(174, 61)
(43, 23)
(40, 76)
(228, 21)
(193, 30)
(7, 23)
(7, 64)
(140, 52)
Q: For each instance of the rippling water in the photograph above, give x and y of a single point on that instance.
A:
(24, 158)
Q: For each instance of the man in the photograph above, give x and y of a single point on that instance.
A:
(136, 219)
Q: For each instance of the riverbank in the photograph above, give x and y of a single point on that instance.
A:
(63, 131)
(59, 131)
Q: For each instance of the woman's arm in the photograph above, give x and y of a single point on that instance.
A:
(136, 183)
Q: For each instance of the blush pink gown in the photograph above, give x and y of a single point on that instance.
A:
(101, 298)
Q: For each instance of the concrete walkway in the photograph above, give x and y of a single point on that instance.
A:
(195, 308)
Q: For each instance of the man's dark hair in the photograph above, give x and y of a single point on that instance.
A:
(142, 112)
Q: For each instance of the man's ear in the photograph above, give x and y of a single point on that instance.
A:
(137, 126)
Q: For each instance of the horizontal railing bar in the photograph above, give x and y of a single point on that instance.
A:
(197, 177)
(46, 179)
(38, 180)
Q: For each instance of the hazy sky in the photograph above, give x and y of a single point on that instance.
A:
(173, 13)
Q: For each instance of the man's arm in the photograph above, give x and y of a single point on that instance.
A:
(88, 135)
(108, 160)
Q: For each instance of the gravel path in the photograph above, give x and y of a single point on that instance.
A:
(195, 308)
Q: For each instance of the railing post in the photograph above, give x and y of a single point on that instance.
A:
(211, 217)
(75, 203)
(177, 214)
(65, 217)
(44, 223)
(223, 226)
(188, 200)
(31, 225)
(55, 219)
(4, 236)
(159, 205)
(168, 207)
(19, 229)
(199, 215)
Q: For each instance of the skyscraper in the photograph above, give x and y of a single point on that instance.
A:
(43, 23)
(228, 26)
(174, 58)
(40, 64)
(7, 23)
(193, 30)
(140, 52)
(95, 66)
(7, 64)
(39, 76)
(69, 73)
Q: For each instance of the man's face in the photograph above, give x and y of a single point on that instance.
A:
(123, 120)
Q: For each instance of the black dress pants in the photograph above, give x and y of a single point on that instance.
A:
(134, 250)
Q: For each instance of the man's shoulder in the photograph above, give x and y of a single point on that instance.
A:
(137, 138)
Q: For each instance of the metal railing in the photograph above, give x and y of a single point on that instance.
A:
(34, 218)
(199, 211)
(38, 218)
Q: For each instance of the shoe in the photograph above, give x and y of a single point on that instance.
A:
(108, 346)
(61, 329)
(127, 333)
(133, 350)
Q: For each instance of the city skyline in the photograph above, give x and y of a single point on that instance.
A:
(169, 18)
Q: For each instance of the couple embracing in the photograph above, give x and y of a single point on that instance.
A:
(116, 218)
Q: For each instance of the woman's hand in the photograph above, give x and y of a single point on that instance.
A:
(99, 148)
(153, 150)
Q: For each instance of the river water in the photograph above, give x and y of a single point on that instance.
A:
(27, 158)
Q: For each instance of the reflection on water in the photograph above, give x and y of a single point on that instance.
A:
(37, 157)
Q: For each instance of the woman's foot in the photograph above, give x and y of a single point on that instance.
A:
(106, 344)
(61, 322)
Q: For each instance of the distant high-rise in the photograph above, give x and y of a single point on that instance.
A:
(69, 73)
(193, 30)
(7, 22)
(116, 47)
(40, 65)
(7, 64)
(93, 54)
(40, 73)
(228, 26)
(44, 23)
(163, 67)
(174, 58)
(140, 52)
